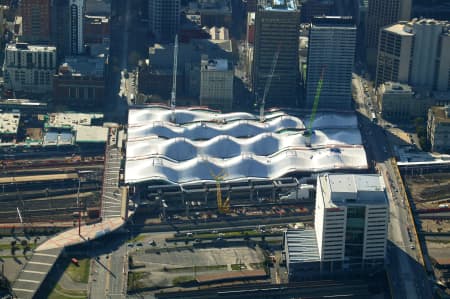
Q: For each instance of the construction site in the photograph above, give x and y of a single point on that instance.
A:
(430, 193)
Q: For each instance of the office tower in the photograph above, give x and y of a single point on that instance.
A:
(382, 13)
(351, 221)
(76, 12)
(331, 51)
(60, 27)
(36, 20)
(67, 27)
(415, 52)
(394, 54)
(276, 31)
(164, 19)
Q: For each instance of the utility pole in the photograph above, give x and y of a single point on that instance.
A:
(268, 82)
(174, 81)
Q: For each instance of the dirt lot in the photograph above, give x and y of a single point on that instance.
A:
(436, 226)
(430, 190)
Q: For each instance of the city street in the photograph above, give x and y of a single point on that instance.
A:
(108, 272)
(407, 275)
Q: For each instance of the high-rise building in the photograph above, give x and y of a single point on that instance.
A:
(382, 13)
(331, 51)
(415, 52)
(216, 83)
(76, 12)
(67, 26)
(60, 27)
(394, 54)
(29, 68)
(35, 21)
(164, 19)
(351, 221)
(276, 31)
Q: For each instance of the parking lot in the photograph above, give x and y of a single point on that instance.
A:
(163, 268)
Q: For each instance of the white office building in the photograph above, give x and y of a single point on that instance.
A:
(76, 9)
(417, 53)
(29, 68)
(351, 221)
(216, 83)
(331, 51)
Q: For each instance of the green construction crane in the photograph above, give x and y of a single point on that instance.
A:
(308, 132)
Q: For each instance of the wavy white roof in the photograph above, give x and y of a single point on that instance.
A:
(200, 169)
(139, 117)
(204, 142)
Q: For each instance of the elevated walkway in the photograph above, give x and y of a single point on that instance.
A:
(34, 273)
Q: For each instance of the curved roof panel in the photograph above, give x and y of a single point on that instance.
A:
(225, 146)
(201, 169)
(208, 130)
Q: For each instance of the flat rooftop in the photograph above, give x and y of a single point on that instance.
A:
(91, 134)
(83, 66)
(333, 21)
(9, 123)
(400, 29)
(279, 5)
(215, 64)
(29, 47)
(342, 189)
(395, 87)
(440, 114)
(65, 120)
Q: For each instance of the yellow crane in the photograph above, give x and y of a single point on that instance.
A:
(222, 206)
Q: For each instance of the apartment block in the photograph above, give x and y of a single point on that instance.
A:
(29, 68)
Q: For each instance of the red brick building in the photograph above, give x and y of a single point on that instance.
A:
(80, 82)
(96, 29)
(35, 20)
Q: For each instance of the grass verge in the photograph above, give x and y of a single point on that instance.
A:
(79, 273)
(197, 268)
(134, 280)
(238, 267)
(180, 280)
(60, 293)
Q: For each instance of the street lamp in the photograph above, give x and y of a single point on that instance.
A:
(80, 175)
